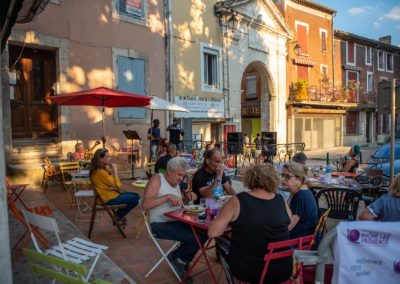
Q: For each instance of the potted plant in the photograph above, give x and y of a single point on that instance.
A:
(301, 90)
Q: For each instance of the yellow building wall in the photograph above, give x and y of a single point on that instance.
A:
(193, 22)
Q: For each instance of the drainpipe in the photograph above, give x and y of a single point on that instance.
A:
(169, 55)
(333, 55)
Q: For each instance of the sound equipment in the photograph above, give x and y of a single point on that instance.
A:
(269, 143)
(235, 142)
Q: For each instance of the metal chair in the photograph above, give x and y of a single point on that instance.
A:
(150, 168)
(35, 258)
(154, 239)
(50, 171)
(371, 189)
(16, 191)
(342, 201)
(76, 250)
(67, 181)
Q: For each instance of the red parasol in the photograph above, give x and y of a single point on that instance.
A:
(102, 97)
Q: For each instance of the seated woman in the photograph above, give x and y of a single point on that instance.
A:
(351, 164)
(257, 218)
(387, 207)
(162, 149)
(79, 153)
(104, 177)
(302, 203)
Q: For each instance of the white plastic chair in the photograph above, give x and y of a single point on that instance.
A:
(154, 239)
(76, 250)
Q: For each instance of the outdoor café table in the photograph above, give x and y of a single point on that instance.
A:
(202, 228)
(140, 184)
(348, 184)
(345, 174)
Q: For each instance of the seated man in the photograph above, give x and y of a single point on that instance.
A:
(163, 195)
(205, 179)
(351, 164)
(79, 153)
(161, 165)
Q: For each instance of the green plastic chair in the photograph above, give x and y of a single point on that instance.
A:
(57, 264)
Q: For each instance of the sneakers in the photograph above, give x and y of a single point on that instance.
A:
(180, 267)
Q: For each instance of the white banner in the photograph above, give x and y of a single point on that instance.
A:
(200, 109)
(367, 252)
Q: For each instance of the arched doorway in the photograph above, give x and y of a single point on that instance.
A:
(256, 89)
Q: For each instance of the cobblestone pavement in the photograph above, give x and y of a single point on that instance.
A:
(105, 268)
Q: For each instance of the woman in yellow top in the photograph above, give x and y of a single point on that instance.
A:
(104, 176)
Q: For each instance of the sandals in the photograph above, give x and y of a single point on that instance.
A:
(121, 222)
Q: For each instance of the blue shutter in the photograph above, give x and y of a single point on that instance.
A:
(131, 78)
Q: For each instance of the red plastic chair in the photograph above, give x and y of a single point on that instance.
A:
(16, 190)
(42, 210)
(303, 243)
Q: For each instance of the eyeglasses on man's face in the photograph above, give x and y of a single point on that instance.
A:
(287, 176)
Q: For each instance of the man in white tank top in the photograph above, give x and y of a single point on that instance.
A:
(162, 195)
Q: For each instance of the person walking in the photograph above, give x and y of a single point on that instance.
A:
(175, 132)
(154, 134)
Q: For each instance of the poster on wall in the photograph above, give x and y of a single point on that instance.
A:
(200, 108)
(134, 7)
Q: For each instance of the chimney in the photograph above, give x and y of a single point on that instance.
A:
(386, 39)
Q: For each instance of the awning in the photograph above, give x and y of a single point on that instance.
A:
(304, 62)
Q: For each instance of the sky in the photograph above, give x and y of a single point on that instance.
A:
(368, 18)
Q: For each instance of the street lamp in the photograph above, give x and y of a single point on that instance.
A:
(297, 49)
(232, 22)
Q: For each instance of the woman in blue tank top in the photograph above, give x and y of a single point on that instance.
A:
(257, 218)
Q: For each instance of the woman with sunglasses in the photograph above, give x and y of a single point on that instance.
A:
(301, 200)
(104, 176)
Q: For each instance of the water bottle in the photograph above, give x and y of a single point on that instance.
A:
(328, 173)
(218, 190)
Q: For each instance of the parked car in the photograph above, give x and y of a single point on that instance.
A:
(386, 168)
(382, 155)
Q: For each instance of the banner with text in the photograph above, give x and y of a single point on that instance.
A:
(200, 108)
(367, 252)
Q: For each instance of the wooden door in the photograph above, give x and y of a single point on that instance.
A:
(33, 115)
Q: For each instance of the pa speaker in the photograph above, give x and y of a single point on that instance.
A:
(269, 143)
(235, 142)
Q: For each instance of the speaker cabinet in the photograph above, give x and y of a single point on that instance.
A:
(269, 143)
(235, 142)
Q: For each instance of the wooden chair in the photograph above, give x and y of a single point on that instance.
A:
(50, 171)
(100, 205)
(66, 180)
(53, 267)
(275, 251)
(342, 201)
(76, 249)
(150, 168)
(371, 189)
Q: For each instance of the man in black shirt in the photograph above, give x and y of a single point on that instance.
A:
(205, 179)
(175, 132)
(258, 144)
(161, 165)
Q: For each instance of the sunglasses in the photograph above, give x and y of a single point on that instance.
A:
(287, 176)
(103, 152)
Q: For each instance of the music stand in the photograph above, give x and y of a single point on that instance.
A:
(132, 135)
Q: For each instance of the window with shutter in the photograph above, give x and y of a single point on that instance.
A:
(211, 68)
(351, 53)
(389, 62)
(302, 38)
(131, 78)
(302, 72)
(381, 61)
(368, 55)
(323, 40)
(251, 86)
(351, 122)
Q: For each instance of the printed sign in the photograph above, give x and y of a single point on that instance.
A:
(200, 109)
(367, 252)
(134, 6)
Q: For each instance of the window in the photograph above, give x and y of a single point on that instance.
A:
(302, 72)
(302, 30)
(323, 34)
(131, 8)
(131, 78)
(370, 81)
(385, 121)
(324, 71)
(351, 82)
(351, 53)
(211, 66)
(368, 55)
(381, 61)
(384, 79)
(389, 62)
(251, 86)
(352, 122)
